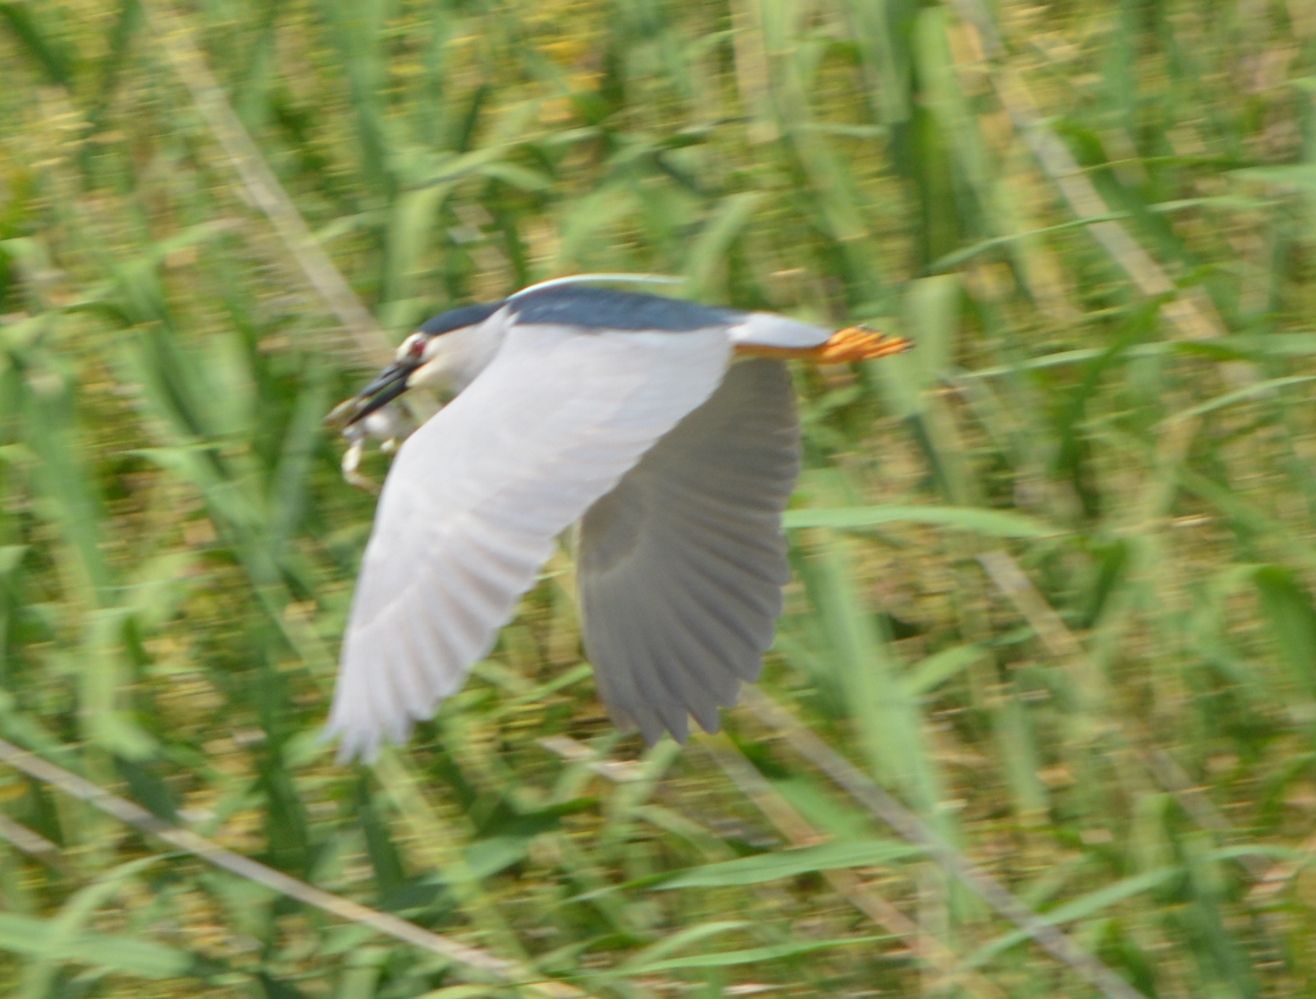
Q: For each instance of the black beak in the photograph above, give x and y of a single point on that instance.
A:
(390, 383)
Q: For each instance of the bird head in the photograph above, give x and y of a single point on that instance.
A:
(445, 352)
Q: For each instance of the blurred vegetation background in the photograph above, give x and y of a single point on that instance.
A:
(1054, 568)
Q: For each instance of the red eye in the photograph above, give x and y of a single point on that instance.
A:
(418, 347)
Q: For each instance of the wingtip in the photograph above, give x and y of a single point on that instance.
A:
(353, 746)
(361, 738)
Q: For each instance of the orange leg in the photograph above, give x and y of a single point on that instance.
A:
(854, 343)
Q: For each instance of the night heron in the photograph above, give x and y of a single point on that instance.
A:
(666, 429)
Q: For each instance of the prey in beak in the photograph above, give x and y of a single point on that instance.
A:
(372, 415)
(387, 386)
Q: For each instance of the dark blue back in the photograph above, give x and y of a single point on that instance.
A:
(590, 306)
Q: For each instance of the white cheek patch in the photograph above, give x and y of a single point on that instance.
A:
(432, 372)
(452, 360)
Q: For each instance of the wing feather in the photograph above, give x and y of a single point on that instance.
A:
(614, 640)
(681, 566)
(477, 497)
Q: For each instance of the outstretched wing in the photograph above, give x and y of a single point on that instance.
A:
(477, 496)
(681, 566)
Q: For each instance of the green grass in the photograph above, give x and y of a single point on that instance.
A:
(1053, 569)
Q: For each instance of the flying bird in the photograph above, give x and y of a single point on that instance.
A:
(665, 429)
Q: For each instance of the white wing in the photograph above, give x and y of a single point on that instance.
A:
(477, 496)
(681, 566)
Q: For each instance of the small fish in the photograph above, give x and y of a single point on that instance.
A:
(388, 425)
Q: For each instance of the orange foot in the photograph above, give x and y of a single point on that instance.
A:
(854, 343)
(858, 343)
